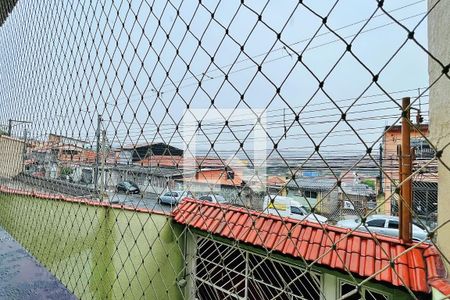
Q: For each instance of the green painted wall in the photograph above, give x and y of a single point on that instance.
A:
(99, 252)
(438, 295)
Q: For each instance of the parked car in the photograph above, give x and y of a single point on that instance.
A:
(288, 207)
(174, 197)
(65, 178)
(216, 198)
(383, 224)
(128, 187)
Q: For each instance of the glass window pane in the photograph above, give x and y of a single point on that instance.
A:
(393, 224)
(376, 223)
(347, 288)
(371, 295)
(296, 210)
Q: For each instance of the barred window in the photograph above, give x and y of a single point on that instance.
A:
(223, 271)
(349, 291)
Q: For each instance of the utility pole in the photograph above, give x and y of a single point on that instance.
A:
(9, 127)
(405, 172)
(24, 151)
(97, 157)
(381, 169)
(10, 124)
(102, 180)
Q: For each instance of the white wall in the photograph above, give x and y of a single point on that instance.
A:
(11, 156)
(439, 46)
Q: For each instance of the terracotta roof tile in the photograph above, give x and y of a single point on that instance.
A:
(282, 237)
(442, 285)
(418, 268)
(253, 235)
(273, 234)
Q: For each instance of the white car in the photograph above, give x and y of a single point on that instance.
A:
(383, 224)
(288, 207)
(215, 198)
(174, 197)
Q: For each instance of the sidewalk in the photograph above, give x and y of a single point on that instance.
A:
(22, 277)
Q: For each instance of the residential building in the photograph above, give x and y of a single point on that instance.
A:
(323, 193)
(48, 158)
(141, 152)
(423, 153)
(58, 140)
(12, 151)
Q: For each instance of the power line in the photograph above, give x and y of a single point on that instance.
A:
(155, 93)
(220, 126)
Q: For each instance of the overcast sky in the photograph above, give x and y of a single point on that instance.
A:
(65, 62)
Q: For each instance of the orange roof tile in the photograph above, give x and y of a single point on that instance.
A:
(418, 268)
(180, 161)
(276, 180)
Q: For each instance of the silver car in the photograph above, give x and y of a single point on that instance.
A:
(216, 198)
(174, 197)
(383, 224)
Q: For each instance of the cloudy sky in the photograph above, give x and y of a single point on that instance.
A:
(153, 69)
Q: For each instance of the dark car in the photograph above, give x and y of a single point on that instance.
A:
(128, 187)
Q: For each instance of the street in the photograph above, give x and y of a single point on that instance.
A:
(146, 200)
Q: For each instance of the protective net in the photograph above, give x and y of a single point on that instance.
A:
(213, 149)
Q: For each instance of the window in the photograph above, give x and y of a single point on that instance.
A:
(296, 210)
(346, 288)
(171, 194)
(127, 184)
(372, 295)
(419, 226)
(393, 224)
(376, 223)
(226, 272)
(310, 194)
(206, 198)
(70, 152)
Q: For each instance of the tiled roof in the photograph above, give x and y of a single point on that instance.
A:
(418, 267)
(276, 181)
(316, 183)
(87, 201)
(157, 171)
(215, 177)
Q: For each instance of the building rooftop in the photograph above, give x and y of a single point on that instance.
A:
(326, 184)
(316, 183)
(398, 128)
(418, 267)
(53, 136)
(157, 171)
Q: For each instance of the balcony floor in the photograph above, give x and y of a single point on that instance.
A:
(22, 277)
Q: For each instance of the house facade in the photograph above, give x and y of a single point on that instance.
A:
(12, 157)
(424, 183)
